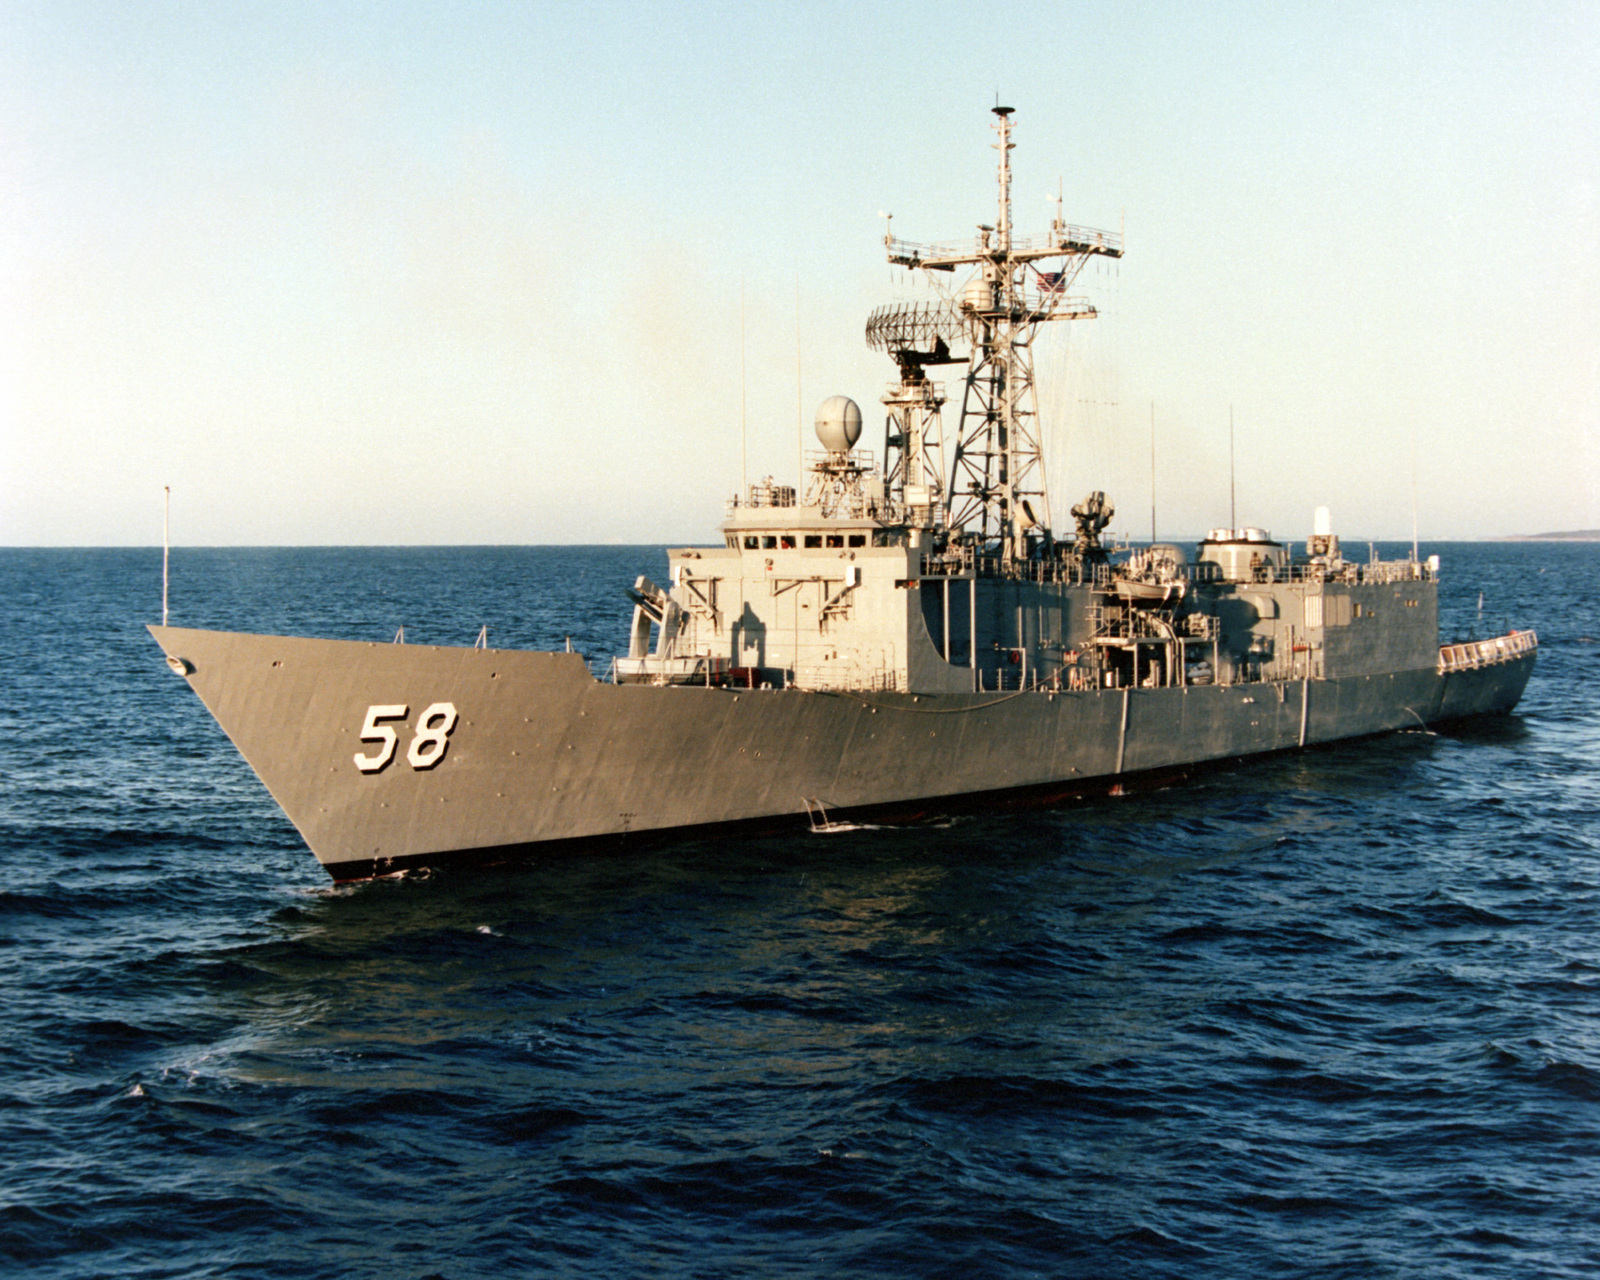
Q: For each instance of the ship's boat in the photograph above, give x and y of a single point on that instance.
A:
(906, 635)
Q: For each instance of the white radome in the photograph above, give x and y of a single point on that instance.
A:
(839, 424)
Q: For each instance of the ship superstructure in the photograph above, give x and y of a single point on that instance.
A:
(894, 634)
(938, 572)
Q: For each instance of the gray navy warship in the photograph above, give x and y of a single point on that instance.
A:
(902, 637)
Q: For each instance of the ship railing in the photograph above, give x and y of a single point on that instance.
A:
(1066, 239)
(1106, 574)
(1386, 571)
(699, 669)
(1069, 571)
(1473, 654)
(767, 493)
(860, 462)
(1074, 238)
(1009, 680)
(1035, 679)
(835, 681)
(848, 506)
(1381, 572)
(963, 562)
(1378, 572)
(955, 563)
(947, 566)
(917, 394)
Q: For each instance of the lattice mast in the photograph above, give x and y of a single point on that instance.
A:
(995, 488)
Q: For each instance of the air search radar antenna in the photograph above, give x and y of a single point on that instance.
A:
(994, 291)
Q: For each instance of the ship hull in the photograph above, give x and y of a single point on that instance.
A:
(540, 754)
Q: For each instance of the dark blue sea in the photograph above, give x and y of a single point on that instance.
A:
(1332, 1014)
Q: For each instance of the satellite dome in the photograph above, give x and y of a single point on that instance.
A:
(839, 424)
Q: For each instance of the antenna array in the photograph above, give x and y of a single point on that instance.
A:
(995, 488)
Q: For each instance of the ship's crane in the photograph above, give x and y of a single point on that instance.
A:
(994, 488)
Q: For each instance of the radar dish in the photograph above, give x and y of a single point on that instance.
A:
(914, 327)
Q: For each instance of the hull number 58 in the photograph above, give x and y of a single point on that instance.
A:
(427, 748)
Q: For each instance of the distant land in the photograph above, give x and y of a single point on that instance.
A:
(1573, 535)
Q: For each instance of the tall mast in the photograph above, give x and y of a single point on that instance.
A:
(1002, 126)
(996, 489)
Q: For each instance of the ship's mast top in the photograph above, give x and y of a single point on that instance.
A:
(1061, 241)
(1002, 126)
(995, 490)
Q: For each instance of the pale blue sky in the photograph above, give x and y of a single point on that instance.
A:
(410, 273)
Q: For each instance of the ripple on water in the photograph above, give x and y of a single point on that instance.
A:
(1322, 1015)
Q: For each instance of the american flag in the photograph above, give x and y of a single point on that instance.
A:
(1051, 281)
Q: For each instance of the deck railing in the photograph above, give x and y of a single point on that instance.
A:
(696, 669)
(1486, 653)
(962, 562)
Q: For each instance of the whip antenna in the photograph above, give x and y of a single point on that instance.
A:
(166, 520)
(744, 470)
(1152, 473)
(1413, 493)
(799, 392)
(1233, 505)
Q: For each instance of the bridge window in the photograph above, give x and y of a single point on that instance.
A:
(813, 539)
(836, 539)
(858, 539)
(769, 543)
(786, 541)
(751, 542)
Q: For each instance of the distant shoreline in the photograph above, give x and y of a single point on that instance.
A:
(1575, 535)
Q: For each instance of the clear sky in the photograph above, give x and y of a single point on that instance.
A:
(471, 273)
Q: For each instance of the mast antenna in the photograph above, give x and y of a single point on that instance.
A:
(1413, 493)
(1152, 473)
(799, 393)
(744, 468)
(995, 490)
(1233, 505)
(166, 520)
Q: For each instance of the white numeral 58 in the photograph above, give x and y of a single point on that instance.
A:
(434, 727)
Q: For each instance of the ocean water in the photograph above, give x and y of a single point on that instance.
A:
(1328, 1014)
